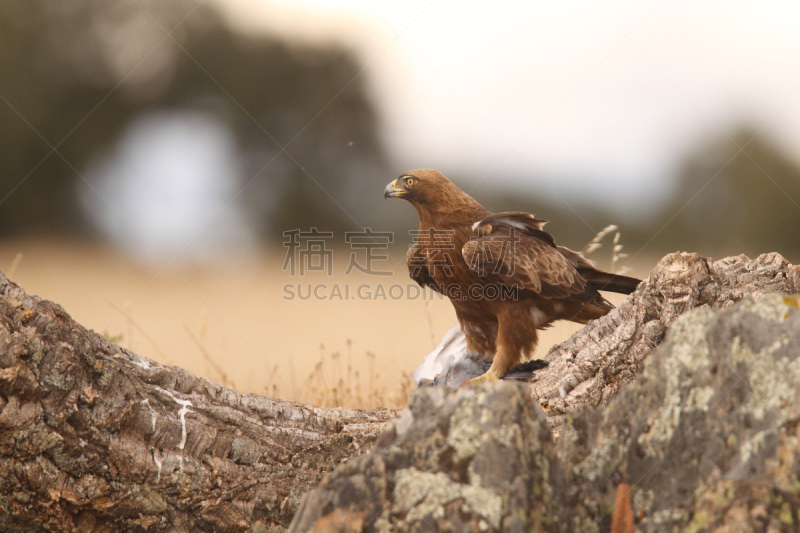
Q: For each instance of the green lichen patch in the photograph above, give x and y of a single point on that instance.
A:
(150, 500)
(421, 494)
(708, 439)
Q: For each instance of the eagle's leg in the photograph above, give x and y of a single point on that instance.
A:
(503, 362)
(516, 339)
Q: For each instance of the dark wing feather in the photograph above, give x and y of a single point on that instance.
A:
(418, 269)
(524, 222)
(600, 280)
(576, 258)
(520, 259)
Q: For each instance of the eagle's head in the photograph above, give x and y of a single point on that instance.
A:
(430, 192)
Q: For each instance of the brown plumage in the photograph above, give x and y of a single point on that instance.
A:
(503, 273)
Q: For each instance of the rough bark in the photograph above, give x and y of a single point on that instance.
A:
(96, 438)
(592, 365)
(708, 439)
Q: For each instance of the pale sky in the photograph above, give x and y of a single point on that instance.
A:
(558, 92)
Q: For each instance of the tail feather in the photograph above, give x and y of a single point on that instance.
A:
(599, 280)
(605, 281)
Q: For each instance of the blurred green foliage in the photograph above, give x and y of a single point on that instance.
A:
(73, 75)
(737, 194)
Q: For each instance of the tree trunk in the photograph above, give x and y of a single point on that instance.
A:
(96, 438)
(706, 440)
(592, 365)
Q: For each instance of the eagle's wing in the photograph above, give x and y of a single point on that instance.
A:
(418, 269)
(523, 258)
(576, 258)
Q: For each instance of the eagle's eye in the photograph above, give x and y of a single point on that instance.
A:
(409, 182)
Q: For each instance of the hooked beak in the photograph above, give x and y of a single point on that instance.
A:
(392, 191)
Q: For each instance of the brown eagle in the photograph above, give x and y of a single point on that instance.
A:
(503, 273)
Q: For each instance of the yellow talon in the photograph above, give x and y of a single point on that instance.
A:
(490, 376)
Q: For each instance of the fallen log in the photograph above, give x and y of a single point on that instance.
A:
(706, 439)
(96, 438)
(593, 364)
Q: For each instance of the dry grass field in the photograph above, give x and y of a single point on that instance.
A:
(231, 324)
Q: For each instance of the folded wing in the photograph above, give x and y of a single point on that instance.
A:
(514, 249)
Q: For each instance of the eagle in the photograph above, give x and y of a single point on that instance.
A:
(504, 274)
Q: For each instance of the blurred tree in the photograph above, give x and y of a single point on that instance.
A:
(74, 74)
(737, 194)
(726, 201)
